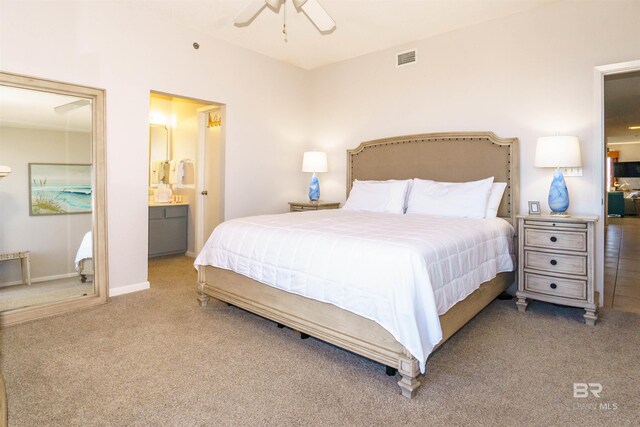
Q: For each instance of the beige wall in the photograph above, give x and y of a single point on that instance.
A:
(628, 152)
(525, 76)
(53, 240)
(129, 54)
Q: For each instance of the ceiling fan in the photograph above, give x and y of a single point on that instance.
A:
(316, 13)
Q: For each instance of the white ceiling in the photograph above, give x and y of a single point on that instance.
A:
(34, 109)
(363, 26)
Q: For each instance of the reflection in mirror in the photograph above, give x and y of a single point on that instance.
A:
(159, 154)
(47, 201)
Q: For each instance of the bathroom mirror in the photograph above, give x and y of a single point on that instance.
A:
(159, 154)
(52, 202)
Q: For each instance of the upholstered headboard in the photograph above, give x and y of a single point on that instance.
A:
(450, 157)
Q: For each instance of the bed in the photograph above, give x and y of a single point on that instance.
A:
(453, 157)
(84, 258)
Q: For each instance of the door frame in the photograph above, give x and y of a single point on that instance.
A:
(600, 151)
(200, 170)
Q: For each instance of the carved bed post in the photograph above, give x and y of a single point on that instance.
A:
(202, 297)
(409, 369)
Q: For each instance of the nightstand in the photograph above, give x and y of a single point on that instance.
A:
(556, 262)
(312, 206)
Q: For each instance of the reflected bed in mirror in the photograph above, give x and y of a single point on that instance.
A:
(52, 210)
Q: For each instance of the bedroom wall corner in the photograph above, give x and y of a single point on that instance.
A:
(127, 53)
(505, 76)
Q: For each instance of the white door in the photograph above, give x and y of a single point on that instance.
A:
(210, 189)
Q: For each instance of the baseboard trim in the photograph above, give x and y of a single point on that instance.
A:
(43, 279)
(190, 254)
(121, 290)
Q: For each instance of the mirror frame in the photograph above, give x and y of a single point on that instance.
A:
(99, 211)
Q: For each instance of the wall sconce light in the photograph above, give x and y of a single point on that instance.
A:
(558, 152)
(4, 171)
(214, 120)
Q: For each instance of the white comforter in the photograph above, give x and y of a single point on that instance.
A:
(400, 271)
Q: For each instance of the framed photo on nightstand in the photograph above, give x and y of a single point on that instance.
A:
(534, 208)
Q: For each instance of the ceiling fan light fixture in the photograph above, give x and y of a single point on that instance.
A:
(274, 4)
(311, 8)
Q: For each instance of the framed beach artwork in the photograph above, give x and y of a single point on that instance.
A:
(59, 189)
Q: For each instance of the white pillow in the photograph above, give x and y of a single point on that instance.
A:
(495, 197)
(377, 196)
(456, 199)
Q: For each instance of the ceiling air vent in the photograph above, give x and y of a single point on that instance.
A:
(406, 58)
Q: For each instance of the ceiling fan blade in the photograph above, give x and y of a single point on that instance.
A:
(316, 14)
(249, 13)
(71, 105)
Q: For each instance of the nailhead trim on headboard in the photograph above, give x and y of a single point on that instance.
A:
(509, 143)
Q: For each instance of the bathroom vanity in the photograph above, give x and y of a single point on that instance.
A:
(168, 228)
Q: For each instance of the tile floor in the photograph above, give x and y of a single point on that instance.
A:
(622, 264)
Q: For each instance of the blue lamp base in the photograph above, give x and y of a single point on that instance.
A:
(314, 188)
(558, 195)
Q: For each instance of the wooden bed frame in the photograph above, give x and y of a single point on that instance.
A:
(85, 269)
(454, 157)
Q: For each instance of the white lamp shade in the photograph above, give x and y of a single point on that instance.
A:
(558, 151)
(314, 161)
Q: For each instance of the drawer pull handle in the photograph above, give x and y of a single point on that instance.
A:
(553, 262)
(553, 286)
(554, 239)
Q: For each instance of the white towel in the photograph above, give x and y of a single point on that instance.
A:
(181, 171)
(173, 172)
(155, 172)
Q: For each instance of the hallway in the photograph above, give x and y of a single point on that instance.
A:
(622, 264)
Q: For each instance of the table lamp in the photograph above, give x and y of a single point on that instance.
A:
(558, 152)
(314, 161)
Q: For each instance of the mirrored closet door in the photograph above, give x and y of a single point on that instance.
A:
(52, 198)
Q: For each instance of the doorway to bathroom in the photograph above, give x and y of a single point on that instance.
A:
(186, 169)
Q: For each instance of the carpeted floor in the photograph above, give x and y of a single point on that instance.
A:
(156, 358)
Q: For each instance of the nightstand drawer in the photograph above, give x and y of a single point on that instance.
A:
(556, 263)
(547, 224)
(568, 240)
(568, 288)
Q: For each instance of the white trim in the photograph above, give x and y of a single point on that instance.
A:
(42, 279)
(190, 254)
(600, 146)
(127, 289)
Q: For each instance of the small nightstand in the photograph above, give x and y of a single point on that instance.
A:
(556, 262)
(312, 206)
